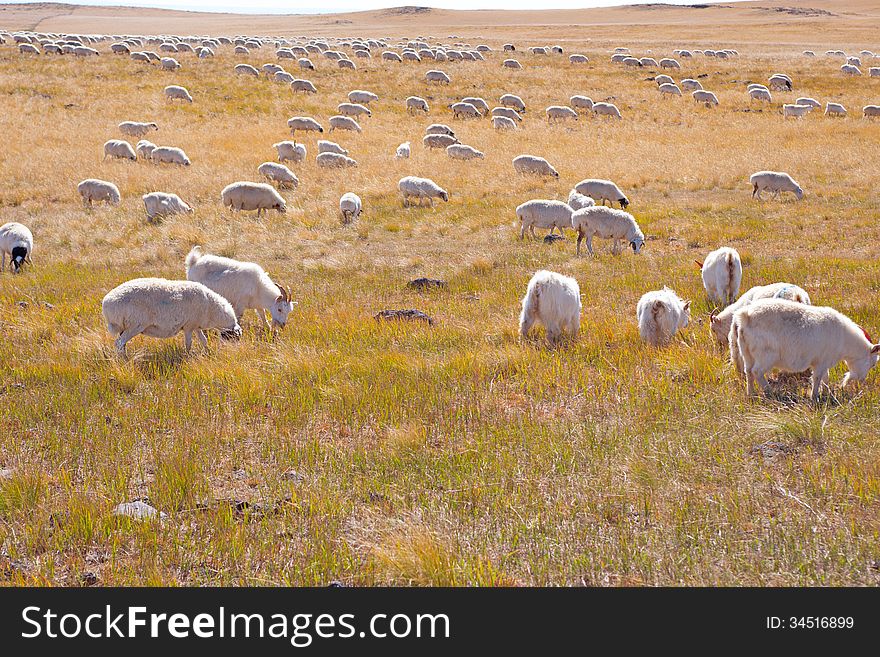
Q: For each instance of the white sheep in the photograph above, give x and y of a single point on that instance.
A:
(689, 84)
(514, 101)
(169, 64)
(553, 300)
(416, 104)
(806, 100)
(849, 69)
(669, 63)
(481, 105)
(463, 110)
(602, 190)
(534, 165)
(796, 111)
(278, 173)
(760, 93)
(437, 76)
(334, 161)
(283, 77)
(560, 113)
(340, 122)
(578, 59)
(136, 128)
(290, 150)
(246, 69)
(361, 96)
(119, 148)
(439, 129)
(353, 109)
(503, 123)
(175, 92)
(607, 223)
(720, 321)
(438, 141)
(507, 112)
(305, 86)
(325, 146)
(245, 195)
(169, 155)
(669, 89)
(706, 97)
(163, 204)
(541, 213)
(94, 190)
(871, 110)
(511, 63)
(834, 109)
(722, 274)
(776, 182)
(17, 241)
(245, 285)
(403, 151)
(780, 82)
(161, 308)
(663, 79)
(420, 188)
(463, 152)
(304, 123)
(874, 72)
(606, 109)
(576, 200)
(660, 315)
(793, 337)
(305, 64)
(350, 206)
(581, 102)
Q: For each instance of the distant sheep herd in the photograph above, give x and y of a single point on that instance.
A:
(769, 327)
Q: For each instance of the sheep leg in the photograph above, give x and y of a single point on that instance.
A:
(3, 261)
(532, 231)
(590, 245)
(580, 238)
(775, 195)
(202, 339)
(124, 337)
(187, 341)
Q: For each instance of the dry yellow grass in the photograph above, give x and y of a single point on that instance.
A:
(451, 454)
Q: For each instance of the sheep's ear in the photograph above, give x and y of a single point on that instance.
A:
(875, 349)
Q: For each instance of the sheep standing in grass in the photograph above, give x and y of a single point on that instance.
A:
(721, 321)
(793, 337)
(162, 204)
(350, 206)
(606, 109)
(607, 223)
(776, 182)
(244, 284)
(463, 152)
(871, 110)
(503, 123)
(534, 165)
(361, 96)
(416, 104)
(602, 190)
(252, 196)
(581, 103)
(420, 188)
(660, 315)
(576, 200)
(438, 141)
(278, 173)
(161, 308)
(541, 213)
(437, 76)
(669, 89)
(169, 155)
(706, 97)
(17, 241)
(722, 274)
(464, 110)
(334, 161)
(290, 150)
(169, 64)
(796, 111)
(246, 69)
(560, 113)
(403, 151)
(339, 122)
(136, 128)
(304, 123)
(325, 146)
(760, 93)
(145, 148)
(93, 190)
(834, 109)
(119, 148)
(553, 300)
(352, 109)
(511, 100)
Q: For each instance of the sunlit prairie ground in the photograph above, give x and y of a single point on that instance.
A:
(373, 453)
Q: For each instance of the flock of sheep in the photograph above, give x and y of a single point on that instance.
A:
(769, 327)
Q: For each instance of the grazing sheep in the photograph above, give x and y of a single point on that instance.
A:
(689, 84)
(560, 113)
(849, 69)
(340, 122)
(290, 150)
(779, 82)
(325, 146)
(722, 274)
(553, 300)
(660, 315)
(669, 89)
(481, 105)
(871, 110)
(793, 337)
(416, 104)
(463, 152)
(303, 123)
(606, 109)
(162, 204)
(438, 141)
(503, 123)
(796, 111)
(353, 109)
(303, 85)
(362, 97)
(437, 76)
(305, 64)
(252, 196)
(576, 200)
(350, 206)
(511, 63)
(330, 160)
(834, 109)
(136, 129)
(169, 155)
(578, 59)
(120, 149)
(283, 77)
(94, 190)
(346, 64)
(16, 240)
(463, 110)
(706, 97)
(402, 152)
(812, 102)
(144, 148)
(169, 64)
(602, 190)
(244, 284)
(278, 173)
(439, 129)
(776, 182)
(581, 102)
(663, 79)
(720, 321)
(607, 223)
(511, 100)
(28, 49)
(420, 188)
(161, 308)
(541, 213)
(507, 112)
(874, 72)
(533, 164)
(174, 92)
(669, 63)
(391, 56)
(760, 93)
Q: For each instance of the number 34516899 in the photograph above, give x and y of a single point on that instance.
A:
(810, 623)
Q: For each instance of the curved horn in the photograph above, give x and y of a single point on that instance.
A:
(866, 334)
(699, 264)
(713, 314)
(283, 293)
